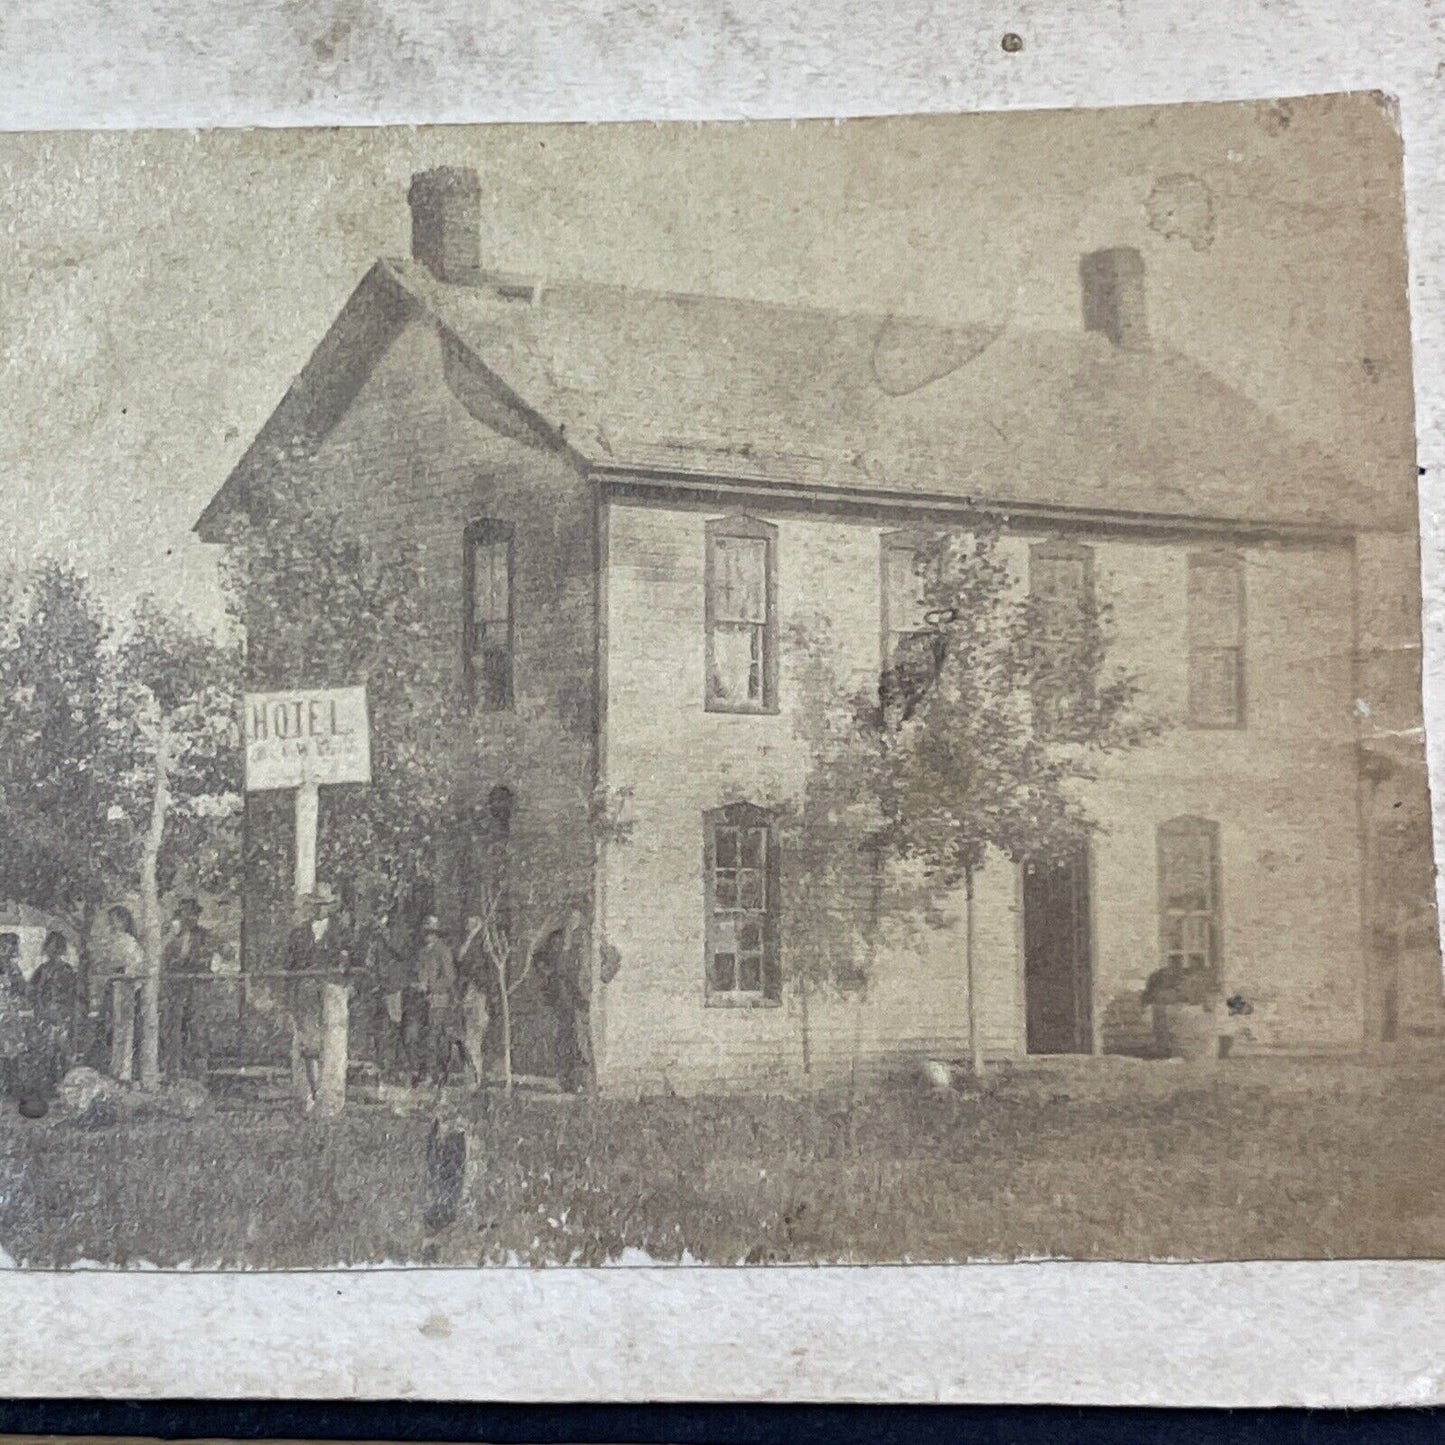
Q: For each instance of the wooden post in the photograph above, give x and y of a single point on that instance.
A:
(308, 798)
(331, 1091)
(150, 1042)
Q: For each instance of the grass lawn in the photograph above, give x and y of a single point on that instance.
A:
(1104, 1159)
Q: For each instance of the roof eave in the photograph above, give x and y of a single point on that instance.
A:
(622, 477)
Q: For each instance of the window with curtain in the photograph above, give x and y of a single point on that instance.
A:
(488, 623)
(1216, 640)
(1189, 914)
(741, 623)
(741, 871)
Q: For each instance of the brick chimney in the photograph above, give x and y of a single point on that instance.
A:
(446, 223)
(1113, 290)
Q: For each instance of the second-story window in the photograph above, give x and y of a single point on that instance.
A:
(1061, 594)
(741, 620)
(1216, 640)
(488, 619)
(903, 587)
(911, 648)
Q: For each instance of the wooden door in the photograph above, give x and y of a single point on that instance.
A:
(1058, 963)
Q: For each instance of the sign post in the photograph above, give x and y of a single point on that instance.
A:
(301, 740)
(308, 809)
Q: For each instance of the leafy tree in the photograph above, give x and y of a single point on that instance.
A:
(830, 834)
(984, 740)
(975, 742)
(117, 754)
(176, 696)
(57, 744)
(320, 607)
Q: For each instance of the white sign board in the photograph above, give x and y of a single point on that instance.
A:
(309, 736)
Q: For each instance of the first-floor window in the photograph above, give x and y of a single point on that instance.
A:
(1189, 894)
(741, 868)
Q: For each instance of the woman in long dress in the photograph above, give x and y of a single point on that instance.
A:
(125, 965)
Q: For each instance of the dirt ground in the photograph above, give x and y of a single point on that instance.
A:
(1099, 1159)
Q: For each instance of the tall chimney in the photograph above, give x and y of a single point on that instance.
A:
(446, 223)
(1113, 287)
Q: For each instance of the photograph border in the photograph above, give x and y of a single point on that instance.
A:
(1349, 1334)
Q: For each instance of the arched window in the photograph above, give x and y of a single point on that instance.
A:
(1189, 888)
(740, 866)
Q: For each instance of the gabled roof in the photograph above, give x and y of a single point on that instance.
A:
(648, 382)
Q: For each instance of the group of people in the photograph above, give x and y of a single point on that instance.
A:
(119, 977)
(37, 1015)
(424, 1010)
(431, 1010)
(95, 1011)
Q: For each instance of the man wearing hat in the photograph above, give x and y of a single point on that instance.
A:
(189, 954)
(435, 1007)
(313, 949)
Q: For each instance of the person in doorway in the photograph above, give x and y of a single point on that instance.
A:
(439, 1036)
(474, 979)
(55, 999)
(189, 955)
(567, 977)
(124, 965)
(312, 953)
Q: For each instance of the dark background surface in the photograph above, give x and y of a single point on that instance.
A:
(728, 1425)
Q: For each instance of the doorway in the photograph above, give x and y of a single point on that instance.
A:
(1058, 956)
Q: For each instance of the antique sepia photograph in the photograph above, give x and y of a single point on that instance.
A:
(731, 694)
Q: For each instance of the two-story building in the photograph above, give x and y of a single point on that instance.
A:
(631, 502)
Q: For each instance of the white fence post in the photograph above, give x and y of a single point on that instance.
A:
(335, 1022)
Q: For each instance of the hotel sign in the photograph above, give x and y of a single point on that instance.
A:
(308, 737)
